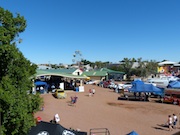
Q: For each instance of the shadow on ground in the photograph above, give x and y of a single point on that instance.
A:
(161, 127)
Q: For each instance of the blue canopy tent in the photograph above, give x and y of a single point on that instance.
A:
(43, 84)
(40, 83)
(174, 84)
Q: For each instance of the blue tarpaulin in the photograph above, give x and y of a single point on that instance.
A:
(139, 86)
(174, 84)
(137, 82)
(133, 133)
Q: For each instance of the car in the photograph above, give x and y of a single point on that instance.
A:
(60, 94)
(125, 85)
(171, 98)
(106, 84)
(90, 82)
(112, 85)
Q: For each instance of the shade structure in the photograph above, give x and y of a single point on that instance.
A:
(39, 83)
(167, 63)
(47, 128)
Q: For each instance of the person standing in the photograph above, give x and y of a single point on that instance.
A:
(93, 91)
(41, 90)
(174, 121)
(90, 92)
(170, 122)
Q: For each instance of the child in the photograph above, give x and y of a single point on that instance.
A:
(90, 92)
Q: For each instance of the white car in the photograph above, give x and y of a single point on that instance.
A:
(125, 85)
(112, 85)
(91, 82)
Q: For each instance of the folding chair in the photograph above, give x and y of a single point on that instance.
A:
(73, 101)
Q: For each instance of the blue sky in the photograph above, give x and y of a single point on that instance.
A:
(103, 30)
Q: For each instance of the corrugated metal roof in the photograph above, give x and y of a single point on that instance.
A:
(110, 71)
(95, 73)
(101, 72)
(68, 72)
(62, 70)
(58, 72)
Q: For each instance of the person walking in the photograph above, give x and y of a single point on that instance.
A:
(175, 119)
(170, 122)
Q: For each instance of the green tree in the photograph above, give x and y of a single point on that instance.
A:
(141, 69)
(86, 62)
(151, 67)
(16, 106)
(126, 65)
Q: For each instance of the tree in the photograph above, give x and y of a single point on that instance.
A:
(141, 69)
(151, 67)
(16, 106)
(127, 65)
(86, 62)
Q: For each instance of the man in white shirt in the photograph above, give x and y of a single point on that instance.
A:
(170, 122)
(174, 121)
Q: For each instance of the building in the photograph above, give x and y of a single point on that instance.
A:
(105, 74)
(169, 67)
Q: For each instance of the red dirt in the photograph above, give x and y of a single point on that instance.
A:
(104, 110)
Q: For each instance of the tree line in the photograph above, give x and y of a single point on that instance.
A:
(130, 66)
(142, 68)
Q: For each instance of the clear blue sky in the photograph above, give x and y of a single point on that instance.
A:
(103, 30)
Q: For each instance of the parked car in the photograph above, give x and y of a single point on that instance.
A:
(60, 94)
(106, 84)
(172, 98)
(90, 82)
(112, 85)
(125, 85)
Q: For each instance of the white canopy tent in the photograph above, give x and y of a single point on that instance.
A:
(167, 63)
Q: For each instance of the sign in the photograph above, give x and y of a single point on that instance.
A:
(57, 119)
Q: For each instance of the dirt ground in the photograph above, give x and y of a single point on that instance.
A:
(104, 110)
